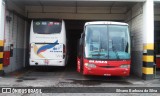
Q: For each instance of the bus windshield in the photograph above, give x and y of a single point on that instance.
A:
(107, 42)
(46, 27)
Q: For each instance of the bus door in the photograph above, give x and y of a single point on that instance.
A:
(80, 54)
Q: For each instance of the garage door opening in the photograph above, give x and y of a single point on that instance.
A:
(75, 14)
(74, 28)
(157, 39)
(157, 48)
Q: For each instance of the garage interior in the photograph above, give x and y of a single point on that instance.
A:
(157, 49)
(157, 39)
(75, 14)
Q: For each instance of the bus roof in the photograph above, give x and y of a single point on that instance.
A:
(105, 22)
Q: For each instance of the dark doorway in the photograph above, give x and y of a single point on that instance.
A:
(157, 48)
(74, 29)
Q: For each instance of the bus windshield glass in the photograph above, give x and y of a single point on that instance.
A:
(46, 27)
(107, 42)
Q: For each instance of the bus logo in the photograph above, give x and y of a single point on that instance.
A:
(6, 90)
(95, 61)
(46, 47)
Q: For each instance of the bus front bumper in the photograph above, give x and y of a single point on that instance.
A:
(106, 71)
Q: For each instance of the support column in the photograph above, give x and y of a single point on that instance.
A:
(148, 40)
(1, 57)
(2, 18)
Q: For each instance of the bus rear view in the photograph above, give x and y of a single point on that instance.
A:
(104, 49)
(47, 43)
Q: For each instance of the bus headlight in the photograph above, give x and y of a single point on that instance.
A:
(125, 66)
(90, 65)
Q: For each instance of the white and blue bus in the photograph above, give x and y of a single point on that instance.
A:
(47, 43)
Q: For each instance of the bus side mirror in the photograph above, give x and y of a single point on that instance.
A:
(132, 40)
(82, 35)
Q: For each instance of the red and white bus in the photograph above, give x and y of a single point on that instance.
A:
(104, 49)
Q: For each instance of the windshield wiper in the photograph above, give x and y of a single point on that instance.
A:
(115, 51)
(98, 54)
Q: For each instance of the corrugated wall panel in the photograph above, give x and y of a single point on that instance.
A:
(14, 34)
(20, 42)
(135, 20)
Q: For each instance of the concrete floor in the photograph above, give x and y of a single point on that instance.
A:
(65, 77)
